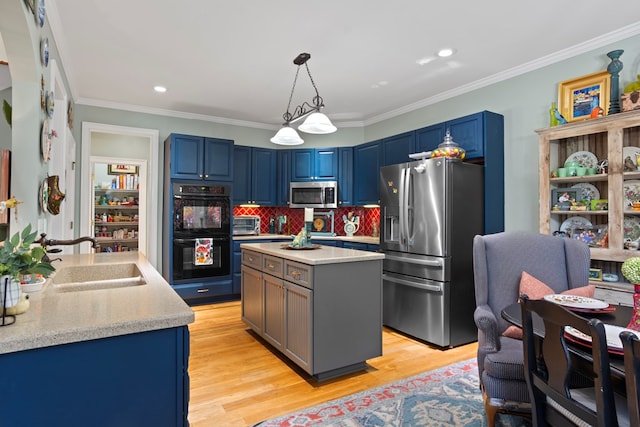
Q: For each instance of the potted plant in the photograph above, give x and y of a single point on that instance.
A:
(18, 257)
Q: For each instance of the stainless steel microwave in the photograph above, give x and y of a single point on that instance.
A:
(313, 194)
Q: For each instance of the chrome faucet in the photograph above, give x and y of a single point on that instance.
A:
(44, 242)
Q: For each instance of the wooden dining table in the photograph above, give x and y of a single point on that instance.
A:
(583, 360)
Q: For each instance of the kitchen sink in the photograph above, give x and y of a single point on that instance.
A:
(99, 276)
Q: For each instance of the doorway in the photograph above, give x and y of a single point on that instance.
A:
(109, 144)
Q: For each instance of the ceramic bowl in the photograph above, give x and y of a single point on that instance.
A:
(581, 171)
(33, 287)
(572, 171)
(571, 164)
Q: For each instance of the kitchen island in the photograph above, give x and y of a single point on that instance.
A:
(114, 354)
(321, 308)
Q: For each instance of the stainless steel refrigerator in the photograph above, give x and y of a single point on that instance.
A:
(430, 211)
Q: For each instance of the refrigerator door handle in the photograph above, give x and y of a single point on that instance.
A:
(401, 207)
(427, 262)
(424, 286)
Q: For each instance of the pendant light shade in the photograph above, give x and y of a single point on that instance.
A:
(287, 136)
(317, 123)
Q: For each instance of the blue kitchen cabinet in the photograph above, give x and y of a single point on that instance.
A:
(345, 176)
(138, 379)
(428, 138)
(467, 133)
(314, 164)
(396, 149)
(367, 159)
(254, 179)
(283, 165)
(200, 158)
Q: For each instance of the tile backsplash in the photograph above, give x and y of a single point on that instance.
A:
(295, 216)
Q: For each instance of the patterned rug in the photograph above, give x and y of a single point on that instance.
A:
(448, 396)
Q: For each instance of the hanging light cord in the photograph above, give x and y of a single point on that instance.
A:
(304, 108)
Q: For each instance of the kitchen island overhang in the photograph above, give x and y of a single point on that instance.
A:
(322, 308)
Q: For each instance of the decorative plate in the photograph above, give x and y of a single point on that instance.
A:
(44, 195)
(631, 225)
(586, 158)
(50, 103)
(45, 141)
(318, 224)
(589, 191)
(300, 248)
(40, 12)
(631, 192)
(44, 51)
(632, 152)
(574, 221)
(576, 301)
(612, 332)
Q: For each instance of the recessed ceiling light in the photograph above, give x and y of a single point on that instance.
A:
(443, 53)
(160, 89)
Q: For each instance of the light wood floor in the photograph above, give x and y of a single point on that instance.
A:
(236, 380)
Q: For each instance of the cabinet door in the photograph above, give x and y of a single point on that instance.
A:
(283, 164)
(428, 139)
(326, 164)
(396, 149)
(345, 176)
(241, 175)
(298, 325)
(263, 176)
(273, 311)
(467, 133)
(187, 153)
(302, 164)
(367, 161)
(218, 159)
(252, 298)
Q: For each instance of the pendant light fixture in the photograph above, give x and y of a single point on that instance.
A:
(316, 121)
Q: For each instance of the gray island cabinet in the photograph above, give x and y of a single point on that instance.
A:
(321, 308)
(88, 354)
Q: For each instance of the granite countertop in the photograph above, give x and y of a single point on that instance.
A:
(55, 317)
(359, 239)
(322, 255)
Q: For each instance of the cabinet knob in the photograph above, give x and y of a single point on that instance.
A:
(295, 275)
(202, 291)
(270, 266)
(206, 176)
(200, 176)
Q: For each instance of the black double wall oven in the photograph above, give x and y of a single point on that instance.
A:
(201, 231)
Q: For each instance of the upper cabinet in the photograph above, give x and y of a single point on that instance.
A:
(254, 180)
(201, 158)
(367, 159)
(345, 176)
(283, 165)
(428, 139)
(314, 164)
(396, 149)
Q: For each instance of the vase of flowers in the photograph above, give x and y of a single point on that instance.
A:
(19, 256)
(631, 272)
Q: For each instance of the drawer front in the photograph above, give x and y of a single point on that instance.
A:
(194, 291)
(252, 259)
(272, 265)
(300, 274)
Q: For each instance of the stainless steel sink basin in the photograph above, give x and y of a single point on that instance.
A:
(99, 276)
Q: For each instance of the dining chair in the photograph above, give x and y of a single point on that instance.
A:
(549, 369)
(631, 346)
(498, 262)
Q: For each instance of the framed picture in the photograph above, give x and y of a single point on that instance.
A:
(578, 97)
(595, 274)
(120, 169)
(563, 198)
(600, 205)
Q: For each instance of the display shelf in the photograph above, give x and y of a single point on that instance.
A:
(122, 218)
(116, 223)
(605, 137)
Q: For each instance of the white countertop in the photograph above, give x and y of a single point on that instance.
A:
(56, 317)
(322, 255)
(358, 239)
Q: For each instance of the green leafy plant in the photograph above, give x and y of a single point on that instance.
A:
(17, 256)
(6, 108)
(631, 269)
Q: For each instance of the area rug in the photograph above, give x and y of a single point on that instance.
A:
(448, 396)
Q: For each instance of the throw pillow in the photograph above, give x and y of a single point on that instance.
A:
(536, 289)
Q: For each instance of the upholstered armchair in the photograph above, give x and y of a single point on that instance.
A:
(498, 262)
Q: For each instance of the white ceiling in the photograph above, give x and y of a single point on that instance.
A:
(231, 61)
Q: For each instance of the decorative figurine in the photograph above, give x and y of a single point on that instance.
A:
(559, 117)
